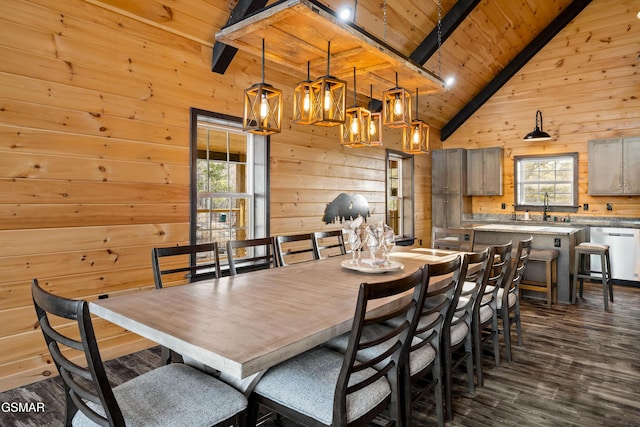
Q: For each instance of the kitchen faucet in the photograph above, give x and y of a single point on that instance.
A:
(546, 206)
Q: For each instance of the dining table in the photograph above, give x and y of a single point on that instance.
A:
(244, 324)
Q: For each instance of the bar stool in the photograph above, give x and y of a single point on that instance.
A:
(549, 285)
(581, 272)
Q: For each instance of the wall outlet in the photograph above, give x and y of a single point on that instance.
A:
(585, 206)
(504, 206)
(609, 206)
(556, 242)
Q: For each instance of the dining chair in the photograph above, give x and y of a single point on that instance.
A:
(324, 387)
(508, 299)
(295, 248)
(251, 255)
(173, 394)
(425, 351)
(178, 265)
(485, 312)
(329, 243)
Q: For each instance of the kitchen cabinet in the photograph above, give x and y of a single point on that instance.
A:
(484, 172)
(448, 187)
(613, 166)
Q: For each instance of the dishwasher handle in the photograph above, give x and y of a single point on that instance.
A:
(620, 234)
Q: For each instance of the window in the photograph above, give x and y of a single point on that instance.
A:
(229, 181)
(555, 176)
(399, 200)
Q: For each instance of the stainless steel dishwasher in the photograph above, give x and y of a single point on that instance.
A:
(624, 251)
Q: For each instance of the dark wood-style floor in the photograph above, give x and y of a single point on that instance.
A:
(579, 366)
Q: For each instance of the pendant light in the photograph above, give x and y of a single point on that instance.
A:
(415, 138)
(396, 107)
(262, 107)
(355, 131)
(537, 134)
(375, 127)
(330, 103)
(303, 101)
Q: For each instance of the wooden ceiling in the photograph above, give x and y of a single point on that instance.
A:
(482, 45)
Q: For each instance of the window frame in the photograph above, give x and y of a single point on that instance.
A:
(573, 207)
(258, 183)
(406, 192)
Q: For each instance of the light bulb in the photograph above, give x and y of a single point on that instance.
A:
(397, 105)
(306, 101)
(372, 128)
(264, 107)
(355, 128)
(416, 135)
(327, 98)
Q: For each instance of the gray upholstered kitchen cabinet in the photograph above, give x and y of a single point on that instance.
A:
(484, 172)
(448, 187)
(614, 166)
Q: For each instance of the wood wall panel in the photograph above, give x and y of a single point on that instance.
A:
(94, 136)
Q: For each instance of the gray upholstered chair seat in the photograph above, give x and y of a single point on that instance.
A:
(458, 332)
(512, 299)
(306, 383)
(486, 313)
(172, 395)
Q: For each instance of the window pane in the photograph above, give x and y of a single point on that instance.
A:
(554, 176)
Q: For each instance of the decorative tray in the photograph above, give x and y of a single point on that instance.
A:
(365, 266)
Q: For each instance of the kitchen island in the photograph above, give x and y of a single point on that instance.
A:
(564, 239)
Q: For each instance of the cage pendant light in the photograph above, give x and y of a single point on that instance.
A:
(375, 126)
(355, 131)
(330, 103)
(415, 138)
(303, 101)
(262, 107)
(396, 103)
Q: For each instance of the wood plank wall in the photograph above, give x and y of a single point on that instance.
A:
(94, 158)
(94, 146)
(586, 82)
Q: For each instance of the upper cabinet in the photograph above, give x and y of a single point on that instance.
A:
(448, 171)
(484, 172)
(614, 166)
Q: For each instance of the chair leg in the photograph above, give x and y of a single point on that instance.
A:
(605, 281)
(477, 347)
(506, 333)
(165, 356)
(448, 383)
(469, 350)
(496, 340)
(438, 390)
(576, 269)
(549, 282)
(252, 412)
(609, 277)
(518, 324)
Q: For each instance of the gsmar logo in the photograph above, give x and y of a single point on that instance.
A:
(22, 407)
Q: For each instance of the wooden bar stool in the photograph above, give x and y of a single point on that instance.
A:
(581, 272)
(550, 259)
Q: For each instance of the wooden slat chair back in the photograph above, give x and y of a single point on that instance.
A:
(295, 248)
(485, 312)
(426, 347)
(370, 383)
(508, 298)
(251, 255)
(89, 396)
(177, 265)
(329, 243)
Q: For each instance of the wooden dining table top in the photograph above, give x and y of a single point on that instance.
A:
(247, 323)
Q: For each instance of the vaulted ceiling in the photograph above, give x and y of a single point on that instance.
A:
(484, 42)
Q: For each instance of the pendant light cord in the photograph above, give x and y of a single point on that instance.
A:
(262, 60)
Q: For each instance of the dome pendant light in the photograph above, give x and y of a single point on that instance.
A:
(537, 134)
(262, 107)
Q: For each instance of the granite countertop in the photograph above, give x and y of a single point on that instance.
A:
(575, 221)
(533, 229)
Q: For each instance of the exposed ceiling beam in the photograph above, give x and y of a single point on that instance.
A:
(224, 54)
(562, 20)
(448, 25)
